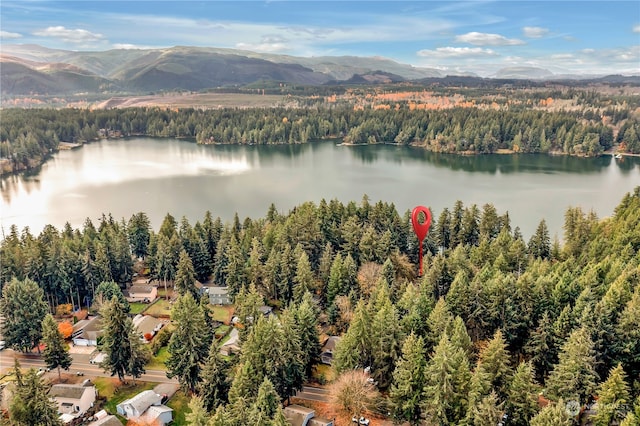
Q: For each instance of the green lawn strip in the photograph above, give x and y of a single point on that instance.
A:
(223, 330)
(157, 361)
(159, 308)
(116, 396)
(137, 307)
(222, 313)
(180, 404)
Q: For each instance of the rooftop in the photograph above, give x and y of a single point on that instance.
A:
(69, 391)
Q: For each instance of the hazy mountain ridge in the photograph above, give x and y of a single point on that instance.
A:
(33, 69)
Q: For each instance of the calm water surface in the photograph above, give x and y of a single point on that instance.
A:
(157, 176)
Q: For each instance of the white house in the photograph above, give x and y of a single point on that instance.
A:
(86, 332)
(147, 406)
(73, 400)
(142, 293)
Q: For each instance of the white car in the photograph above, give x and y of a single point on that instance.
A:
(361, 421)
(2, 344)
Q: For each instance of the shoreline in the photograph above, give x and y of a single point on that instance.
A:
(66, 146)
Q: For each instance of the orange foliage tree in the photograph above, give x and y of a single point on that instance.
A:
(65, 329)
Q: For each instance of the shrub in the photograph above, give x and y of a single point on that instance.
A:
(161, 339)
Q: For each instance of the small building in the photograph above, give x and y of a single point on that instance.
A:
(142, 293)
(105, 420)
(73, 400)
(158, 415)
(328, 348)
(266, 310)
(86, 332)
(147, 325)
(140, 407)
(218, 295)
(297, 415)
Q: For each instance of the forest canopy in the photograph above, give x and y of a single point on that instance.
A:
(492, 314)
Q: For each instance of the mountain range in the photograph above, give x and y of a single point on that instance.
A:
(32, 69)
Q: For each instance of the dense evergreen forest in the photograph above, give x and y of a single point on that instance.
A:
(28, 137)
(493, 322)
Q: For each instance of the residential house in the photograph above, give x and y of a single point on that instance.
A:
(218, 295)
(86, 332)
(73, 400)
(102, 418)
(297, 415)
(141, 293)
(109, 420)
(139, 407)
(147, 325)
(328, 348)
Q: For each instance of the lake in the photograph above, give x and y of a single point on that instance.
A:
(157, 176)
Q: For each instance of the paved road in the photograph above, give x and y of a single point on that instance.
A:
(80, 363)
(313, 394)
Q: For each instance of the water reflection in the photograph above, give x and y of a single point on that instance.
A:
(491, 164)
(162, 176)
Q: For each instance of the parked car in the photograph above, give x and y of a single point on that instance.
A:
(360, 421)
(3, 344)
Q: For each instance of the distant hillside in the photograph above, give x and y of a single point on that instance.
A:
(31, 69)
(22, 77)
(37, 70)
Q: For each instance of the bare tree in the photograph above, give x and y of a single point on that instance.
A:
(353, 393)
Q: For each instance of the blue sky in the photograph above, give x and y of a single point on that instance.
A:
(478, 36)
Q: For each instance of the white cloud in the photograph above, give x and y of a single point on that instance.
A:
(636, 28)
(128, 46)
(70, 35)
(7, 34)
(486, 39)
(263, 47)
(535, 32)
(562, 56)
(456, 52)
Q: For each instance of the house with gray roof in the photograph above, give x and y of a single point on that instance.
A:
(218, 295)
(86, 332)
(73, 400)
(297, 415)
(140, 407)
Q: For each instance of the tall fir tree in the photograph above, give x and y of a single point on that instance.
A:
(214, 386)
(188, 346)
(553, 414)
(30, 404)
(185, 281)
(613, 398)
(56, 352)
(522, 395)
(447, 384)
(121, 342)
(574, 377)
(23, 307)
(407, 390)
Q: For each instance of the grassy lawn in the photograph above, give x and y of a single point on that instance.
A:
(323, 373)
(159, 308)
(222, 331)
(138, 307)
(157, 361)
(180, 404)
(116, 392)
(223, 313)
